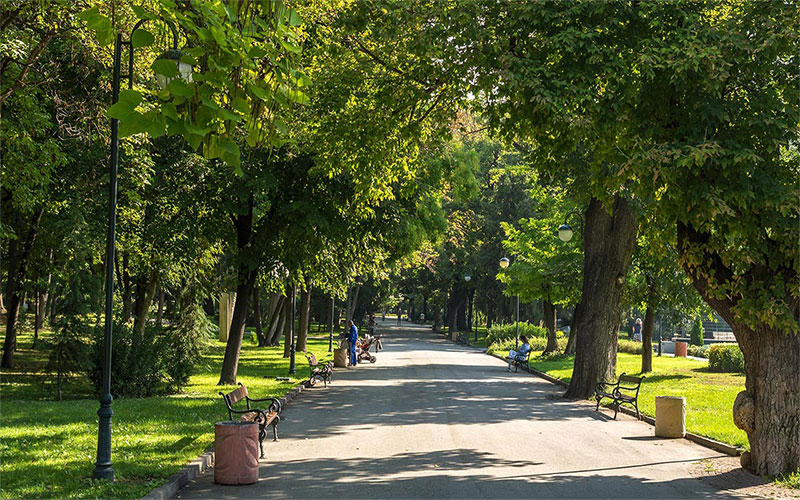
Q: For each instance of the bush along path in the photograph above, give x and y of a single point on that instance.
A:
(48, 447)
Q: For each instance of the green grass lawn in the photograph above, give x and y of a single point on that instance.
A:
(709, 396)
(48, 447)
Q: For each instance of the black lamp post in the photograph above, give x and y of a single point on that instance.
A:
(468, 278)
(103, 468)
(504, 263)
(293, 346)
(330, 335)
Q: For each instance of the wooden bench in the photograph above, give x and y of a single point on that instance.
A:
(620, 394)
(318, 371)
(520, 360)
(262, 417)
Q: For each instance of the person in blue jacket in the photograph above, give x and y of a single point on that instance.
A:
(352, 337)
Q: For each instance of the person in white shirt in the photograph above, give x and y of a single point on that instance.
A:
(524, 349)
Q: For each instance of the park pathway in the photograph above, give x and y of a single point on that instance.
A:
(432, 419)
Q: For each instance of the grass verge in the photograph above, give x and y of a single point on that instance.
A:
(709, 396)
(48, 447)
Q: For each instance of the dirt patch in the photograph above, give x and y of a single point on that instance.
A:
(725, 473)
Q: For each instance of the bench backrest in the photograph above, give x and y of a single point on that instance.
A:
(312, 360)
(629, 383)
(235, 396)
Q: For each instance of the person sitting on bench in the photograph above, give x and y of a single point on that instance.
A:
(524, 349)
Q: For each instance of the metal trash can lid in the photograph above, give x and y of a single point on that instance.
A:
(236, 422)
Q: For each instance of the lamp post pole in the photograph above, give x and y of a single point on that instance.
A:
(103, 468)
(517, 315)
(330, 335)
(293, 346)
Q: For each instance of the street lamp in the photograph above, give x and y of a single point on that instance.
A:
(468, 278)
(565, 230)
(330, 335)
(504, 262)
(103, 468)
(293, 346)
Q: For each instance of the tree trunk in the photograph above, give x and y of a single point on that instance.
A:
(36, 323)
(127, 305)
(455, 306)
(280, 321)
(257, 313)
(287, 326)
(230, 364)
(352, 301)
(609, 239)
(437, 318)
(569, 350)
(305, 315)
(18, 264)
(160, 315)
(275, 316)
(247, 274)
(145, 292)
(768, 410)
(647, 328)
(550, 323)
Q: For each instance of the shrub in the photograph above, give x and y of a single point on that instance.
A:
(696, 335)
(136, 360)
(629, 346)
(725, 358)
(69, 353)
(502, 332)
(538, 344)
(698, 351)
(184, 343)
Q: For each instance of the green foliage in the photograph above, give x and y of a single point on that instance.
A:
(629, 346)
(501, 332)
(791, 480)
(136, 364)
(698, 351)
(246, 75)
(696, 332)
(726, 358)
(185, 343)
(538, 344)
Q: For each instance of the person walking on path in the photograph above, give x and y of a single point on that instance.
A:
(352, 338)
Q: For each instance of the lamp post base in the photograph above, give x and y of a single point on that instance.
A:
(102, 467)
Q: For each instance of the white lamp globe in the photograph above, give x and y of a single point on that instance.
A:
(184, 70)
(504, 262)
(564, 232)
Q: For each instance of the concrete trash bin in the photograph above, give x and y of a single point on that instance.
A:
(340, 357)
(236, 451)
(670, 416)
(680, 349)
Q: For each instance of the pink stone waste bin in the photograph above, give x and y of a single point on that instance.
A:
(236, 452)
(680, 349)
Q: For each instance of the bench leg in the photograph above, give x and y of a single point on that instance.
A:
(636, 405)
(275, 429)
(616, 409)
(596, 408)
(261, 435)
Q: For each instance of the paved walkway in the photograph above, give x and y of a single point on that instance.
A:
(432, 419)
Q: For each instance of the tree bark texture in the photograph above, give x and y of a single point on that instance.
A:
(609, 240)
(145, 292)
(247, 274)
(277, 322)
(455, 306)
(569, 349)
(647, 339)
(287, 328)
(17, 268)
(305, 318)
(352, 301)
(550, 324)
(768, 410)
(257, 313)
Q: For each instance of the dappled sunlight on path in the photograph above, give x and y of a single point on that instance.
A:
(432, 419)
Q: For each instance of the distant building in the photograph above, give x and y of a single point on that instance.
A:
(717, 329)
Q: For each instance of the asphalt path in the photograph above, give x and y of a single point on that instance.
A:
(432, 419)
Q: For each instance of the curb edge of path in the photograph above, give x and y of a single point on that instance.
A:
(202, 463)
(695, 438)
